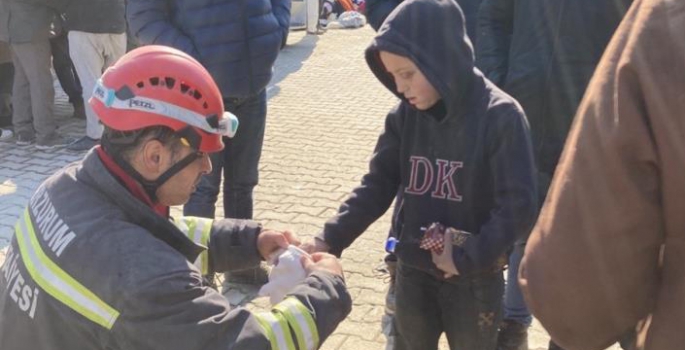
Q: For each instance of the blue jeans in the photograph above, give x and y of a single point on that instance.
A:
(238, 162)
(515, 308)
(466, 309)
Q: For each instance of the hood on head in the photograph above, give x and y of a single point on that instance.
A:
(432, 34)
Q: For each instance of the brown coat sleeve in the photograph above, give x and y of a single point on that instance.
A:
(591, 269)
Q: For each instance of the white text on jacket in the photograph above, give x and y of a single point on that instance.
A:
(52, 229)
(20, 291)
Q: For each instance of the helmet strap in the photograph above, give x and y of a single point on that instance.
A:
(151, 186)
(175, 169)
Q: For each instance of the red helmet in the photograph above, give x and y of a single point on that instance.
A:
(159, 85)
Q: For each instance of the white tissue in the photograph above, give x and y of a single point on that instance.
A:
(285, 275)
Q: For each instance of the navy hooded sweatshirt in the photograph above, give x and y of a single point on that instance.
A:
(466, 163)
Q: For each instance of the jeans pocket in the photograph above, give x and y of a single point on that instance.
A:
(487, 294)
(488, 289)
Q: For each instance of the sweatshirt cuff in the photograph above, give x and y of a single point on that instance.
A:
(333, 248)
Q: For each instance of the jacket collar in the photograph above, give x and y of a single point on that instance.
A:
(96, 174)
(130, 183)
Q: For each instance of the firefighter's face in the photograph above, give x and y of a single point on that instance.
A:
(178, 188)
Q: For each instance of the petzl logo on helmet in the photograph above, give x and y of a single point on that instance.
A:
(136, 103)
(103, 94)
(99, 92)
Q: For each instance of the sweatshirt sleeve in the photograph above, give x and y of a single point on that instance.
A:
(150, 22)
(495, 28)
(167, 308)
(591, 268)
(514, 177)
(373, 197)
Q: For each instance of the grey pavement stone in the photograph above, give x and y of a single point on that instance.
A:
(39, 169)
(6, 233)
(13, 165)
(9, 174)
(17, 201)
(14, 158)
(16, 151)
(4, 207)
(37, 178)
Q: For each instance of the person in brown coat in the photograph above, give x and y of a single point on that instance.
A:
(608, 252)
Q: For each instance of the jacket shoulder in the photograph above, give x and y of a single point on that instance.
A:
(501, 105)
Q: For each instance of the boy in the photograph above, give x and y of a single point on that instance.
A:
(459, 150)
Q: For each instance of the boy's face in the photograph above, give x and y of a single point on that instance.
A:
(410, 81)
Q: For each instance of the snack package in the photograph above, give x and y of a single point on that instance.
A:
(434, 238)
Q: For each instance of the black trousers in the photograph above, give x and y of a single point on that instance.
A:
(6, 81)
(467, 309)
(64, 68)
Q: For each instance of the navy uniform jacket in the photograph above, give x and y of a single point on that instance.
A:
(92, 267)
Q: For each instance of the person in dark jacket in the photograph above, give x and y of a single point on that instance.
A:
(378, 10)
(543, 53)
(96, 261)
(459, 149)
(97, 39)
(238, 41)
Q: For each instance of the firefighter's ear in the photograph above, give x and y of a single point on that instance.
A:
(152, 159)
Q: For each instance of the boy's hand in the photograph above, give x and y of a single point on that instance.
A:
(315, 245)
(444, 260)
(269, 241)
(322, 262)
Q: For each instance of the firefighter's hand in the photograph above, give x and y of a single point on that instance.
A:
(444, 261)
(315, 245)
(270, 241)
(322, 262)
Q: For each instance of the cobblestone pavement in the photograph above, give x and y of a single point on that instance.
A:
(325, 113)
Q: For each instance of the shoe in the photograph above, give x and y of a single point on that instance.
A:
(512, 336)
(256, 276)
(6, 134)
(24, 141)
(52, 142)
(79, 110)
(83, 144)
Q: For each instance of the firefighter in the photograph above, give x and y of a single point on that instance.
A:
(97, 262)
